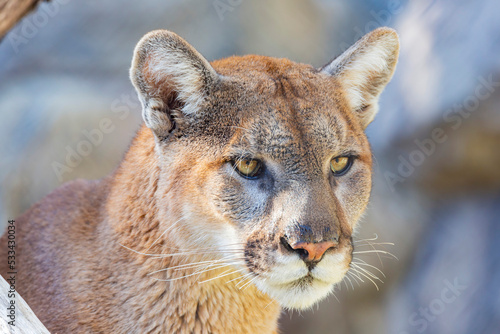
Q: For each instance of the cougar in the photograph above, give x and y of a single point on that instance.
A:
(238, 196)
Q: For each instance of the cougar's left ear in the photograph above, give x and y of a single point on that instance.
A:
(364, 70)
(171, 78)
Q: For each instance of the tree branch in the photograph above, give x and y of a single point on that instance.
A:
(12, 11)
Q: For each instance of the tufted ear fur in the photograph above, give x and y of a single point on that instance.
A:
(171, 79)
(364, 70)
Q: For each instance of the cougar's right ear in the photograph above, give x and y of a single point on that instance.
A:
(171, 79)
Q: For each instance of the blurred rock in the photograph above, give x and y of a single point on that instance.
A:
(70, 73)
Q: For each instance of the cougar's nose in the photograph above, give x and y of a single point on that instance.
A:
(310, 251)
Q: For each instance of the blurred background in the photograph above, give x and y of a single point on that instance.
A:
(436, 140)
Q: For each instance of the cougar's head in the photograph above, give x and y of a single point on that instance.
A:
(265, 159)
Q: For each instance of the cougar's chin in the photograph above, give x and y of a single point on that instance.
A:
(300, 294)
(296, 287)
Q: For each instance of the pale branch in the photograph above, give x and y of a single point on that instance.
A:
(22, 317)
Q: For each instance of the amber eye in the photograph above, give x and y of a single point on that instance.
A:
(249, 168)
(340, 165)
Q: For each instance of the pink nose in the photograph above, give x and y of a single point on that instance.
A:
(313, 252)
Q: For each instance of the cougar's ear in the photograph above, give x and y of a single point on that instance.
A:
(364, 70)
(171, 78)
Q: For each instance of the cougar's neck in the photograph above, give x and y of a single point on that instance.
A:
(187, 296)
(131, 206)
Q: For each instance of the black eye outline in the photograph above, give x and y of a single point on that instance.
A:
(350, 160)
(255, 174)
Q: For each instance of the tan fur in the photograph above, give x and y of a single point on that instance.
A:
(100, 256)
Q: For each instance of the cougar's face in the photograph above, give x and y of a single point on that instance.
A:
(286, 185)
(266, 158)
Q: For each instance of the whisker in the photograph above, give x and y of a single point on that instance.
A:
(376, 251)
(238, 160)
(372, 239)
(272, 301)
(223, 274)
(369, 265)
(218, 247)
(200, 263)
(347, 277)
(355, 275)
(161, 235)
(376, 243)
(240, 278)
(192, 265)
(190, 251)
(368, 277)
(189, 275)
(247, 284)
(369, 243)
(369, 273)
(242, 281)
(333, 293)
(215, 276)
(238, 261)
(350, 274)
(182, 253)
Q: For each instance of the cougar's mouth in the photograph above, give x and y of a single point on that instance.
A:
(303, 281)
(302, 293)
(296, 286)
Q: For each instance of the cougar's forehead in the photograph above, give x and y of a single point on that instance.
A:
(288, 110)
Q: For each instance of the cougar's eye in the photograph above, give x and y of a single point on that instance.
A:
(340, 165)
(248, 168)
